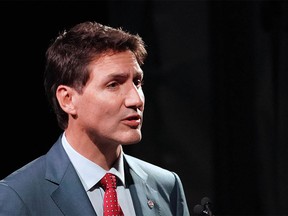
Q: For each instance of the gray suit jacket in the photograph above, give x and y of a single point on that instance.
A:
(50, 185)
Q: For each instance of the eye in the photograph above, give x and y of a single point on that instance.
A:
(139, 82)
(113, 85)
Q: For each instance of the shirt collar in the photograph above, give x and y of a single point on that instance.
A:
(89, 172)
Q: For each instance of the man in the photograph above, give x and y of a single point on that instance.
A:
(93, 81)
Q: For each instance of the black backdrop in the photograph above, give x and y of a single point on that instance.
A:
(215, 83)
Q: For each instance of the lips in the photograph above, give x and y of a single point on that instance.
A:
(132, 121)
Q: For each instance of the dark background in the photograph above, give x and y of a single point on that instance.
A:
(215, 84)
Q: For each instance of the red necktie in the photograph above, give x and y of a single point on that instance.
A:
(111, 206)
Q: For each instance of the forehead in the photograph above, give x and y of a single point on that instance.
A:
(112, 62)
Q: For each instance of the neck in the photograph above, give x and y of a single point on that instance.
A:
(103, 154)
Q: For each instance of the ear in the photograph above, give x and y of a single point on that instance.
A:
(65, 96)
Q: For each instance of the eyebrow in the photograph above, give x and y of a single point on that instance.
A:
(125, 75)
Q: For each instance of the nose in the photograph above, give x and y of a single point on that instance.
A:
(135, 98)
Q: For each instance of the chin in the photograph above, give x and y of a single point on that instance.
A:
(132, 139)
(127, 144)
(128, 137)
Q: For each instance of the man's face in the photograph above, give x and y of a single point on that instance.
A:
(110, 109)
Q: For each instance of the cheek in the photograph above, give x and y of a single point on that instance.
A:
(97, 105)
(89, 105)
(107, 107)
(97, 112)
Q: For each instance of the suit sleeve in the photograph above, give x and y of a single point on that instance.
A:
(10, 202)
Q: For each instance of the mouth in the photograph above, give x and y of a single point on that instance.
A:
(132, 121)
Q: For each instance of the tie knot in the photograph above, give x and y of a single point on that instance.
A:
(108, 181)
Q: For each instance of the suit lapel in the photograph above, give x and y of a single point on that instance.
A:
(71, 197)
(69, 194)
(145, 198)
